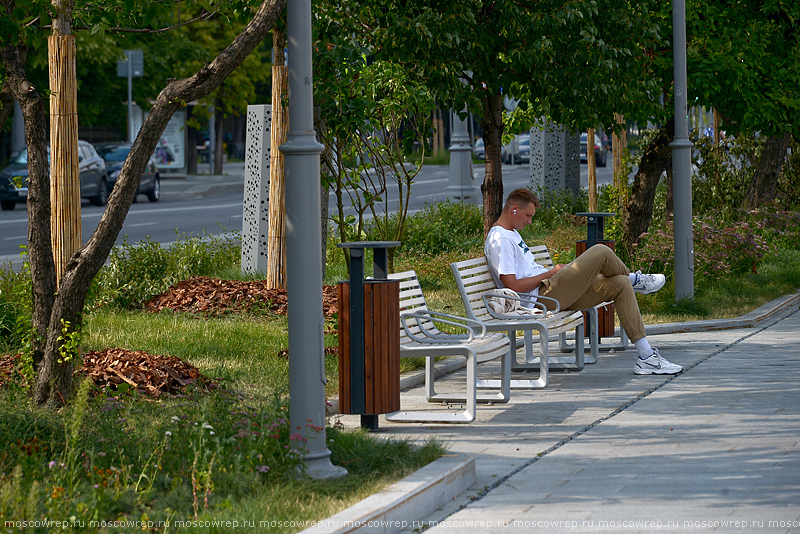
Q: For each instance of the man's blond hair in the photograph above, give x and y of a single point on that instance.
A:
(521, 197)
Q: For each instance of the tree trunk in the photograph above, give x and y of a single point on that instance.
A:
(765, 180)
(618, 144)
(492, 187)
(636, 216)
(276, 244)
(40, 251)
(6, 104)
(67, 305)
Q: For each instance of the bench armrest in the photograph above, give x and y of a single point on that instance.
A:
(558, 304)
(467, 324)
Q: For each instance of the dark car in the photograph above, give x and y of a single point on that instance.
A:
(115, 155)
(600, 150)
(93, 177)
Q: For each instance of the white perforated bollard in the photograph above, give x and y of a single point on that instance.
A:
(255, 207)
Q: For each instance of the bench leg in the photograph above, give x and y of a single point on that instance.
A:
(507, 383)
(464, 416)
(594, 338)
(557, 363)
(502, 396)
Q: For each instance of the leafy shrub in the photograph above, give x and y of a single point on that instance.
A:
(443, 227)
(135, 273)
(558, 208)
(15, 307)
(723, 175)
(720, 248)
(778, 226)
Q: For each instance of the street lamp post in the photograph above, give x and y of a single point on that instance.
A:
(304, 252)
(461, 182)
(682, 162)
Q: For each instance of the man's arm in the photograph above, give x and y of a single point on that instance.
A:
(525, 285)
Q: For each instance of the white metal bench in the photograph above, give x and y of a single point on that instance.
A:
(475, 283)
(541, 255)
(420, 336)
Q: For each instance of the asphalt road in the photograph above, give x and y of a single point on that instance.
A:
(219, 209)
(162, 221)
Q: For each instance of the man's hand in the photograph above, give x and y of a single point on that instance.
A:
(556, 268)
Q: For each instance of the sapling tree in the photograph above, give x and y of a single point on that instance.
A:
(371, 117)
(23, 24)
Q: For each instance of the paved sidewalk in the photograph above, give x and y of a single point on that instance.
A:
(716, 448)
(186, 186)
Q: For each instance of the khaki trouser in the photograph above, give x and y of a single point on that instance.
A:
(596, 276)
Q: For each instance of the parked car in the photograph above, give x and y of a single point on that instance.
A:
(518, 150)
(115, 155)
(480, 150)
(93, 177)
(600, 150)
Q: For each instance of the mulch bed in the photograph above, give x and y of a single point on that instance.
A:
(149, 374)
(212, 297)
(156, 375)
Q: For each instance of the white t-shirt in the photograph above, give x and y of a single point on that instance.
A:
(507, 253)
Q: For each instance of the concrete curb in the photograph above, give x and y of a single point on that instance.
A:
(754, 318)
(400, 506)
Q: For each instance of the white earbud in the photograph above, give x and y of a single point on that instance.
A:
(515, 212)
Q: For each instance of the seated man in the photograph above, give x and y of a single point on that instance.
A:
(595, 276)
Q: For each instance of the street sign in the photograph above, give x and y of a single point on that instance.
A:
(136, 57)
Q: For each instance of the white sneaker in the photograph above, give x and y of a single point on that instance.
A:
(648, 283)
(656, 365)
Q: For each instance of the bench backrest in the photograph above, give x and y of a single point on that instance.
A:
(542, 256)
(474, 278)
(412, 299)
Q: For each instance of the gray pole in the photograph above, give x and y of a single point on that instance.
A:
(682, 162)
(461, 182)
(130, 96)
(304, 251)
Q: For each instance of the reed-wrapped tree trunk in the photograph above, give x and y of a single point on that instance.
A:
(65, 188)
(276, 242)
(591, 162)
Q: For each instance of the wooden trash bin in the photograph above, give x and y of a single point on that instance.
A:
(371, 386)
(605, 314)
